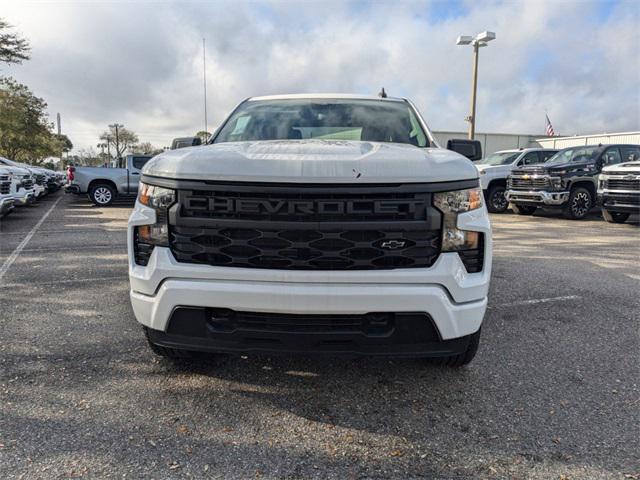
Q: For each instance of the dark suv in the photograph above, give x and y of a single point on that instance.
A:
(567, 181)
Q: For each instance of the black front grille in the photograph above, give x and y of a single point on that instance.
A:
(309, 249)
(622, 184)
(621, 199)
(225, 320)
(298, 227)
(5, 186)
(529, 183)
(39, 179)
(27, 183)
(296, 206)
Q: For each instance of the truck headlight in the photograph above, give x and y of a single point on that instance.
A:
(146, 237)
(451, 204)
(555, 182)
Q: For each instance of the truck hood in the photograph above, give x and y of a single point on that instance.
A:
(543, 168)
(489, 169)
(623, 168)
(312, 161)
(15, 170)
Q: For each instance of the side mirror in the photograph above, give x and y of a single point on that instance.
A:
(472, 149)
(185, 142)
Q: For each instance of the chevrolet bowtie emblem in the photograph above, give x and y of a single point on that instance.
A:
(526, 177)
(393, 244)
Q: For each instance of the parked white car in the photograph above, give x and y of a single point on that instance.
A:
(332, 224)
(495, 168)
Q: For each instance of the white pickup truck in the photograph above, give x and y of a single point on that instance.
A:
(102, 184)
(330, 224)
(495, 168)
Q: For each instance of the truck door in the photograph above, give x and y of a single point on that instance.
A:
(135, 164)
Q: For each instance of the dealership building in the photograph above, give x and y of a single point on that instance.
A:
(492, 142)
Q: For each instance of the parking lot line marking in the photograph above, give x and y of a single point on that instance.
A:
(536, 300)
(12, 258)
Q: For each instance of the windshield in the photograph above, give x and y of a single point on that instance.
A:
(500, 158)
(325, 119)
(568, 155)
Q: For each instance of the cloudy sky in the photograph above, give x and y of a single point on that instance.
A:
(140, 63)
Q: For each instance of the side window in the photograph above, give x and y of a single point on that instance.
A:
(611, 156)
(547, 155)
(138, 162)
(630, 154)
(530, 158)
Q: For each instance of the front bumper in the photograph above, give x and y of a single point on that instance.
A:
(24, 197)
(72, 188)
(536, 197)
(612, 201)
(452, 299)
(40, 190)
(6, 205)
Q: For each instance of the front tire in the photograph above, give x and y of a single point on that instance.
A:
(524, 209)
(615, 217)
(102, 194)
(579, 204)
(496, 201)
(463, 358)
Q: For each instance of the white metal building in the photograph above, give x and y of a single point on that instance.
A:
(492, 142)
(604, 138)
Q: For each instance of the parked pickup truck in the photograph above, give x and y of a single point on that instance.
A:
(22, 183)
(495, 168)
(6, 199)
(567, 181)
(619, 191)
(103, 184)
(329, 224)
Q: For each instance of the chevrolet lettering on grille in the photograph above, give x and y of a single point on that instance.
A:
(303, 207)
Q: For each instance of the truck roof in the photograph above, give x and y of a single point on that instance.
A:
(340, 96)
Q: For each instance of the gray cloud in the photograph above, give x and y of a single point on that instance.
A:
(141, 63)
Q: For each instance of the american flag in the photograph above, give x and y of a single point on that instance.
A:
(550, 131)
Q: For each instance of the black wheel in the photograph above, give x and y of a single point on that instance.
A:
(463, 358)
(579, 204)
(523, 209)
(102, 194)
(496, 201)
(615, 217)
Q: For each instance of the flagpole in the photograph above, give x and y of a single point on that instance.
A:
(204, 77)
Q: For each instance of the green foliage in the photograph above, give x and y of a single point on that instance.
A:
(204, 136)
(25, 132)
(146, 148)
(65, 143)
(13, 48)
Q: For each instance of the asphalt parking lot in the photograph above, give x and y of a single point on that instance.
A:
(553, 392)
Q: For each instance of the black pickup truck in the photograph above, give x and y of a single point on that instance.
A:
(567, 181)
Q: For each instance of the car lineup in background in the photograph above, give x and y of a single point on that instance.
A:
(22, 184)
(572, 180)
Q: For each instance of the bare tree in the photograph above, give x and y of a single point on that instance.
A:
(13, 48)
(119, 138)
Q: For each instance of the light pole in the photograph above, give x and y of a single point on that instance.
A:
(476, 42)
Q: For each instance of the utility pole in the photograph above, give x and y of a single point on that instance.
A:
(204, 75)
(116, 127)
(474, 89)
(480, 40)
